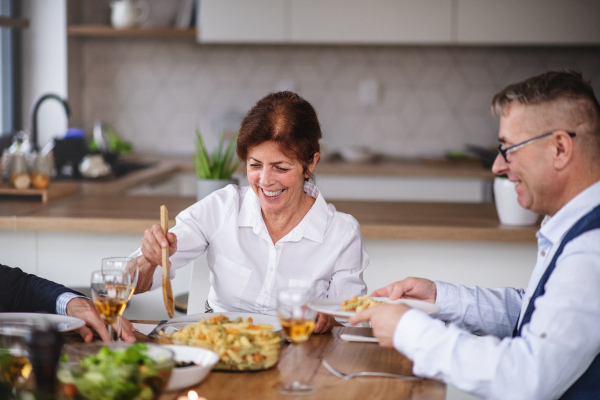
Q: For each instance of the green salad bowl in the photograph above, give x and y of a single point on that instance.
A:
(114, 371)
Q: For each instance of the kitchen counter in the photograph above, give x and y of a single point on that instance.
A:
(379, 220)
(100, 207)
(424, 167)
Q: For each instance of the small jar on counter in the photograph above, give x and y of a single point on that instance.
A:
(41, 168)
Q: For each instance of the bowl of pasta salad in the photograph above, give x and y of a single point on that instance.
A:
(241, 344)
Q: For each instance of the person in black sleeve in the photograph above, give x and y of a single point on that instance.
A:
(23, 292)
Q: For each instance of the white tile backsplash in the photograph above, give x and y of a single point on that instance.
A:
(154, 92)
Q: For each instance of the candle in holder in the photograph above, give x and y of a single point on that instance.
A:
(191, 395)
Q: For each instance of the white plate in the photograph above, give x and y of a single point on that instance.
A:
(256, 318)
(63, 323)
(334, 306)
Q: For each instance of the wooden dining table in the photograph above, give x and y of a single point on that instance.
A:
(348, 357)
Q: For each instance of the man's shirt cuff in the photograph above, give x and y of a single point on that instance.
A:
(63, 299)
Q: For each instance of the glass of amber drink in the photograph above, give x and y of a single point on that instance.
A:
(111, 289)
(128, 265)
(297, 323)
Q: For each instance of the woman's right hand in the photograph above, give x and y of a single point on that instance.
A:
(409, 288)
(152, 244)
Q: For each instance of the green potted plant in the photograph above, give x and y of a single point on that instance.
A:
(214, 171)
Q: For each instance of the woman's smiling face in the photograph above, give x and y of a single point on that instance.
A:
(277, 180)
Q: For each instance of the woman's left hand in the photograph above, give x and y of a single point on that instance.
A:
(324, 323)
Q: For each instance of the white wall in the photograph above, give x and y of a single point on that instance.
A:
(430, 99)
(45, 65)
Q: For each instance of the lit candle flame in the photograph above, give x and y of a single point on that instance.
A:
(192, 395)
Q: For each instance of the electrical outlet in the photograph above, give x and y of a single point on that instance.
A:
(286, 84)
(368, 92)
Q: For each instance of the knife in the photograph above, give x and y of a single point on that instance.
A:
(166, 275)
(358, 338)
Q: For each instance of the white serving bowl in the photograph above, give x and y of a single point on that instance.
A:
(184, 377)
(356, 154)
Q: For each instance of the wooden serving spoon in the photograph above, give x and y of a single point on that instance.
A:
(166, 274)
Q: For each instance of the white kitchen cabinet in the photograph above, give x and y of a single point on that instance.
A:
(528, 22)
(370, 22)
(242, 21)
(325, 21)
(423, 22)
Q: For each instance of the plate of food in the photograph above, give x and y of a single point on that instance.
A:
(242, 343)
(345, 308)
(63, 323)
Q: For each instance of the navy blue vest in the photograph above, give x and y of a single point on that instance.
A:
(587, 387)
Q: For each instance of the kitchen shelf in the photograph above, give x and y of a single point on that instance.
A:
(108, 31)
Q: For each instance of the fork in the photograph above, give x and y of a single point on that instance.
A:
(350, 376)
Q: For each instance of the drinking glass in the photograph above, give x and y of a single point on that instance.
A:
(110, 292)
(15, 366)
(128, 265)
(297, 323)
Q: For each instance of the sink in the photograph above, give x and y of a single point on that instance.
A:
(179, 184)
(182, 184)
(121, 168)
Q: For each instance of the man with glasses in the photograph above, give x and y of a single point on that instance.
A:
(542, 342)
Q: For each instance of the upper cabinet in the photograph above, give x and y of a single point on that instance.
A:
(525, 22)
(370, 22)
(325, 21)
(434, 22)
(242, 21)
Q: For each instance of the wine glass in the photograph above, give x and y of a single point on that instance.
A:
(111, 290)
(297, 323)
(130, 266)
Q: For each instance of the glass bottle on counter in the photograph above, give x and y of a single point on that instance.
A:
(14, 162)
(18, 171)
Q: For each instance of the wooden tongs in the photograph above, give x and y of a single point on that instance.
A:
(166, 274)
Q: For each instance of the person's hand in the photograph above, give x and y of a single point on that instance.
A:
(384, 319)
(127, 330)
(152, 244)
(324, 323)
(154, 241)
(84, 309)
(409, 288)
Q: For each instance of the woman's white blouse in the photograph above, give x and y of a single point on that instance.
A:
(247, 269)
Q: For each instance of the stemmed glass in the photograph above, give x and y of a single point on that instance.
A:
(130, 266)
(297, 322)
(111, 290)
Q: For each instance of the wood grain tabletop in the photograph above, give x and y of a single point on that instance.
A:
(345, 356)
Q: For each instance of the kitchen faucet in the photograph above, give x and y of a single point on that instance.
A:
(34, 129)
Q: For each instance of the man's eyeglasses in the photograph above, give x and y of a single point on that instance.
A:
(517, 146)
